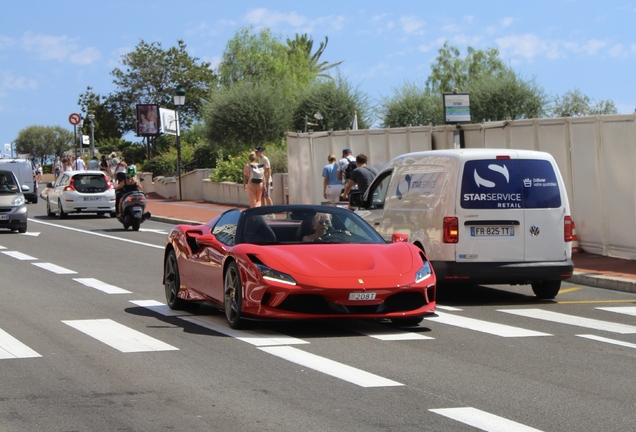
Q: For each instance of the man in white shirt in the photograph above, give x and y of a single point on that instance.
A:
(267, 175)
(79, 164)
(347, 158)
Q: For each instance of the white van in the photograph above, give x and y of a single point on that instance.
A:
(482, 216)
(23, 170)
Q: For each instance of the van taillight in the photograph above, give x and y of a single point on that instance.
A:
(567, 229)
(451, 230)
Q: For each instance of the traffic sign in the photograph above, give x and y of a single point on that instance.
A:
(75, 119)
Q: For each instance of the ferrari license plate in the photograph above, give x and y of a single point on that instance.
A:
(362, 296)
(492, 231)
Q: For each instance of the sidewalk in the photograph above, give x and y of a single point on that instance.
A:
(589, 269)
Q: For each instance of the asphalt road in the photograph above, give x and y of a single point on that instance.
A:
(87, 345)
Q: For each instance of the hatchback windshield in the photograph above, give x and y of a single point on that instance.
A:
(90, 183)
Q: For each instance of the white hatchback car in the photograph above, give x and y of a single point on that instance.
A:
(80, 192)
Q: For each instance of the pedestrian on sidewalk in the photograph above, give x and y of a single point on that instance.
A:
(79, 164)
(362, 177)
(93, 164)
(267, 174)
(253, 180)
(331, 186)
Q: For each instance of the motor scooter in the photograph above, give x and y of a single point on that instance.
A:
(133, 206)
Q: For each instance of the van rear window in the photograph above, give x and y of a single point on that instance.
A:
(509, 183)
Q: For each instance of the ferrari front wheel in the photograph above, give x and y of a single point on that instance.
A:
(233, 297)
(172, 282)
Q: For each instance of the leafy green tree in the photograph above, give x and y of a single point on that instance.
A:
(107, 125)
(302, 45)
(337, 101)
(43, 142)
(450, 71)
(574, 103)
(411, 105)
(244, 115)
(151, 75)
(506, 95)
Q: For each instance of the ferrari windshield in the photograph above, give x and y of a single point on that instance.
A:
(298, 224)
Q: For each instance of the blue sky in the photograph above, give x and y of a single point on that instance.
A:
(50, 51)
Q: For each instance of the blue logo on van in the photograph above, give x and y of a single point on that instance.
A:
(398, 193)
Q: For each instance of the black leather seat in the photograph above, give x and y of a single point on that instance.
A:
(257, 231)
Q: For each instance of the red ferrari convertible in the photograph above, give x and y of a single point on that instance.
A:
(297, 262)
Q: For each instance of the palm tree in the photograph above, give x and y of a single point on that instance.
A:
(303, 44)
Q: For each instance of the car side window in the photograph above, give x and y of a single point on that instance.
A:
(225, 228)
(378, 190)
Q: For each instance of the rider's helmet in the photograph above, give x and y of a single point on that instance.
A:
(131, 171)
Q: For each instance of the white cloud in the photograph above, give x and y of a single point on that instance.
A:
(11, 82)
(412, 25)
(593, 46)
(507, 21)
(617, 50)
(450, 28)
(435, 44)
(270, 18)
(528, 46)
(60, 48)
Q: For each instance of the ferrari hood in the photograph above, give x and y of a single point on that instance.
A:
(341, 260)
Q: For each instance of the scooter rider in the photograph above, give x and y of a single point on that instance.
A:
(129, 184)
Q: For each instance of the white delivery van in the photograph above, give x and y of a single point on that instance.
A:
(23, 171)
(482, 216)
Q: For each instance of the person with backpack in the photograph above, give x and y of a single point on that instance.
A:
(362, 177)
(253, 174)
(346, 165)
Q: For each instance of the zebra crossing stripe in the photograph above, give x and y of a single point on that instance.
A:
(119, 336)
(609, 341)
(383, 332)
(19, 255)
(330, 367)
(484, 326)
(626, 310)
(572, 320)
(158, 307)
(102, 286)
(54, 268)
(11, 348)
(483, 420)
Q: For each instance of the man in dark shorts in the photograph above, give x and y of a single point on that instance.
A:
(362, 176)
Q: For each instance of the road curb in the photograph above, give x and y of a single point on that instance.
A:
(600, 281)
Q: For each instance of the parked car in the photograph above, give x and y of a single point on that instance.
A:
(297, 262)
(81, 192)
(483, 216)
(25, 173)
(13, 209)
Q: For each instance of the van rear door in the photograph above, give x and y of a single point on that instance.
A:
(490, 212)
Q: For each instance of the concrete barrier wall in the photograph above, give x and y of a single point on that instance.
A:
(596, 156)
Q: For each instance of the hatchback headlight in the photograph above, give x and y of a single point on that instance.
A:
(275, 275)
(18, 201)
(423, 273)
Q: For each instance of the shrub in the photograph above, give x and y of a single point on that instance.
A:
(230, 170)
(159, 166)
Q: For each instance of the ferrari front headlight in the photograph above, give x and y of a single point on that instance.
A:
(423, 273)
(274, 275)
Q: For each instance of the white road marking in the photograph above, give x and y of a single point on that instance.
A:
(11, 348)
(483, 420)
(2, 247)
(609, 341)
(572, 320)
(157, 231)
(485, 326)
(54, 268)
(382, 332)
(19, 255)
(627, 310)
(330, 367)
(158, 307)
(96, 234)
(31, 234)
(448, 308)
(102, 286)
(260, 339)
(119, 336)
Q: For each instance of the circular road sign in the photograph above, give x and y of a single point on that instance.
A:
(75, 119)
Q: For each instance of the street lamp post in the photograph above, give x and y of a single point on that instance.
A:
(179, 101)
(91, 121)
